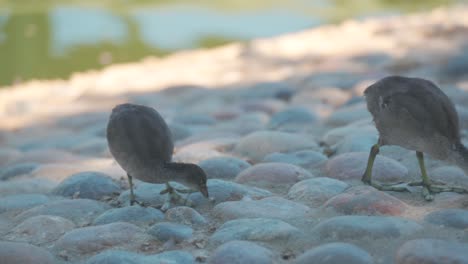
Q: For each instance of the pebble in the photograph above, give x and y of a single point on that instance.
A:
(450, 175)
(165, 231)
(336, 135)
(432, 251)
(240, 252)
(25, 186)
(273, 174)
(185, 215)
(254, 229)
(179, 131)
(15, 170)
(348, 114)
(80, 211)
(244, 124)
(257, 145)
(327, 95)
(136, 214)
(113, 256)
(352, 165)
(223, 167)
(41, 229)
(366, 200)
(316, 191)
(221, 191)
(454, 218)
(147, 193)
(92, 239)
(359, 226)
(23, 253)
(307, 159)
(287, 119)
(357, 142)
(88, 185)
(270, 207)
(22, 201)
(334, 253)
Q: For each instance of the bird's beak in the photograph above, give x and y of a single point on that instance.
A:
(204, 191)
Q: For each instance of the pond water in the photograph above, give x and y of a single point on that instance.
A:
(52, 39)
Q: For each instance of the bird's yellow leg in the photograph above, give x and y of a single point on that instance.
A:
(132, 195)
(367, 177)
(426, 182)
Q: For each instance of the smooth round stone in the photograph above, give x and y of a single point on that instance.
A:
(222, 191)
(291, 116)
(273, 173)
(223, 167)
(197, 152)
(366, 200)
(16, 170)
(165, 231)
(307, 159)
(194, 119)
(125, 257)
(23, 253)
(185, 215)
(314, 192)
(25, 186)
(267, 106)
(351, 166)
(147, 193)
(92, 239)
(333, 253)
(328, 95)
(80, 211)
(255, 229)
(89, 185)
(358, 226)
(336, 135)
(21, 202)
(432, 251)
(41, 229)
(455, 218)
(244, 124)
(94, 146)
(257, 145)
(345, 115)
(240, 252)
(450, 175)
(136, 214)
(360, 142)
(270, 207)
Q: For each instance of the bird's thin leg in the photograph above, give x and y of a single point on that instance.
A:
(367, 177)
(426, 182)
(132, 195)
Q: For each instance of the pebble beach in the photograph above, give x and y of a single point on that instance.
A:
(281, 128)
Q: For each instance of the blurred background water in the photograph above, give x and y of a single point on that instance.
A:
(52, 39)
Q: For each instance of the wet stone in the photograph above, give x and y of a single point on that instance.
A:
(80, 211)
(288, 118)
(372, 227)
(185, 215)
(165, 231)
(41, 229)
(125, 257)
(222, 191)
(241, 252)
(146, 193)
(273, 174)
(92, 239)
(334, 253)
(270, 207)
(255, 229)
(307, 159)
(16, 253)
(223, 167)
(316, 191)
(89, 185)
(21, 202)
(135, 214)
(257, 145)
(25, 186)
(348, 114)
(454, 218)
(366, 200)
(357, 142)
(352, 165)
(432, 251)
(15, 170)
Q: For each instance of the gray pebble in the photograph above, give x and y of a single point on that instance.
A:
(223, 167)
(136, 214)
(455, 218)
(89, 185)
(165, 231)
(241, 252)
(335, 253)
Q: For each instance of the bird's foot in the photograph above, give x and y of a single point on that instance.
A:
(397, 187)
(133, 202)
(430, 188)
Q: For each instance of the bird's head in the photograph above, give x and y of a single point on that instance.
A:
(192, 176)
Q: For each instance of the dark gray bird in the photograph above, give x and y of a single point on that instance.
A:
(415, 114)
(141, 143)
